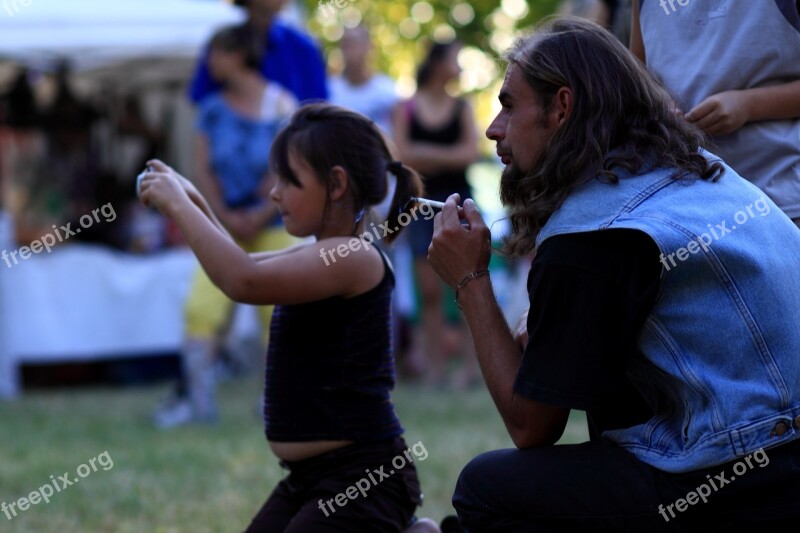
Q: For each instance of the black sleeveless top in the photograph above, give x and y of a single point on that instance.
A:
(330, 368)
(448, 134)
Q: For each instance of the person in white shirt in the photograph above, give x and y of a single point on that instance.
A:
(358, 87)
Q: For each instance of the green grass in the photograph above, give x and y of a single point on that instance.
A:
(200, 478)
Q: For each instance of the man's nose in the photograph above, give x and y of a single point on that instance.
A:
(496, 130)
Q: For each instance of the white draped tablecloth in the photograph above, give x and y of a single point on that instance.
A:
(83, 302)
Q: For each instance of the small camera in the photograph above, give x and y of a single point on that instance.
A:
(139, 179)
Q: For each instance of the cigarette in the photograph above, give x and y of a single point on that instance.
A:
(432, 203)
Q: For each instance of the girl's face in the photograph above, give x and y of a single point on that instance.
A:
(302, 209)
(449, 68)
(222, 64)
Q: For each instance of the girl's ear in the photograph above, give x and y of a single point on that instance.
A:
(337, 186)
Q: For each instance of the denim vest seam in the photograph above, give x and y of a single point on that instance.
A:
(760, 344)
(729, 284)
(654, 423)
(736, 442)
(627, 207)
(698, 388)
(731, 435)
(646, 193)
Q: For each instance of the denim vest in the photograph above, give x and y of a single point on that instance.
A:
(719, 354)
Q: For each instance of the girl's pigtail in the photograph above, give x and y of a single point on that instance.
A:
(409, 184)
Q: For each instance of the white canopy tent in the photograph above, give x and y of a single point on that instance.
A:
(111, 38)
(145, 47)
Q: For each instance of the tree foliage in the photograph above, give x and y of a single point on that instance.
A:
(401, 32)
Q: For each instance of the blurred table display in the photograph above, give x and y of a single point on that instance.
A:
(84, 302)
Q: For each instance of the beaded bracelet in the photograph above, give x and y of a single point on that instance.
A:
(467, 279)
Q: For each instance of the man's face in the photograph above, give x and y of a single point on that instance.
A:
(522, 129)
(355, 46)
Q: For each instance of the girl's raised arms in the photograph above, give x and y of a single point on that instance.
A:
(309, 273)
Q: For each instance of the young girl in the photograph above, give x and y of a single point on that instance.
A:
(235, 127)
(329, 368)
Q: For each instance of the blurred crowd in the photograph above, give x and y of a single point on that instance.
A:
(81, 150)
(62, 159)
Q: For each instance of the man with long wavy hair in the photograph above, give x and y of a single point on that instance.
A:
(664, 298)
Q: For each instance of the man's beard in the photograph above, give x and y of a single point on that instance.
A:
(510, 181)
(508, 184)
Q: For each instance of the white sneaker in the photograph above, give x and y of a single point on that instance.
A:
(178, 413)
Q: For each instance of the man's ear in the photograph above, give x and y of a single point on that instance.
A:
(562, 105)
(337, 186)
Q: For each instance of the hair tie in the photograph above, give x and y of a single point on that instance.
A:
(361, 214)
(395, 167)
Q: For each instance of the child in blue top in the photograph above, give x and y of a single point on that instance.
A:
(236, 127)
(327, 409)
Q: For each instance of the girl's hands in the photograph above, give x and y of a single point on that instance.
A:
(164, 189)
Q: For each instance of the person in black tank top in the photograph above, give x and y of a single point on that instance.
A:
(443, 182)
(330, 368)
(435, 133)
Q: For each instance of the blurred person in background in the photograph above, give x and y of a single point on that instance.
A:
(614, 15)
(283, 54)
(598, 11)
(52, 162)
(20, 137)
(360, 88)
(740, 84)
(435, 134)
(68, 124)
(374, 95)
(236, 128)
(619, 20)
(287, 58)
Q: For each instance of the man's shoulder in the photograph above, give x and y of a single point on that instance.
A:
(591, 248)
(282, 32)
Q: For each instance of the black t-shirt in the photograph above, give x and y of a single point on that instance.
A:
(590, 295)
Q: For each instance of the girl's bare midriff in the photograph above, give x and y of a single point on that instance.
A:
(297, 451)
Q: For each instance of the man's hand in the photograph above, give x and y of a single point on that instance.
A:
(722, 113)
(457, 251)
